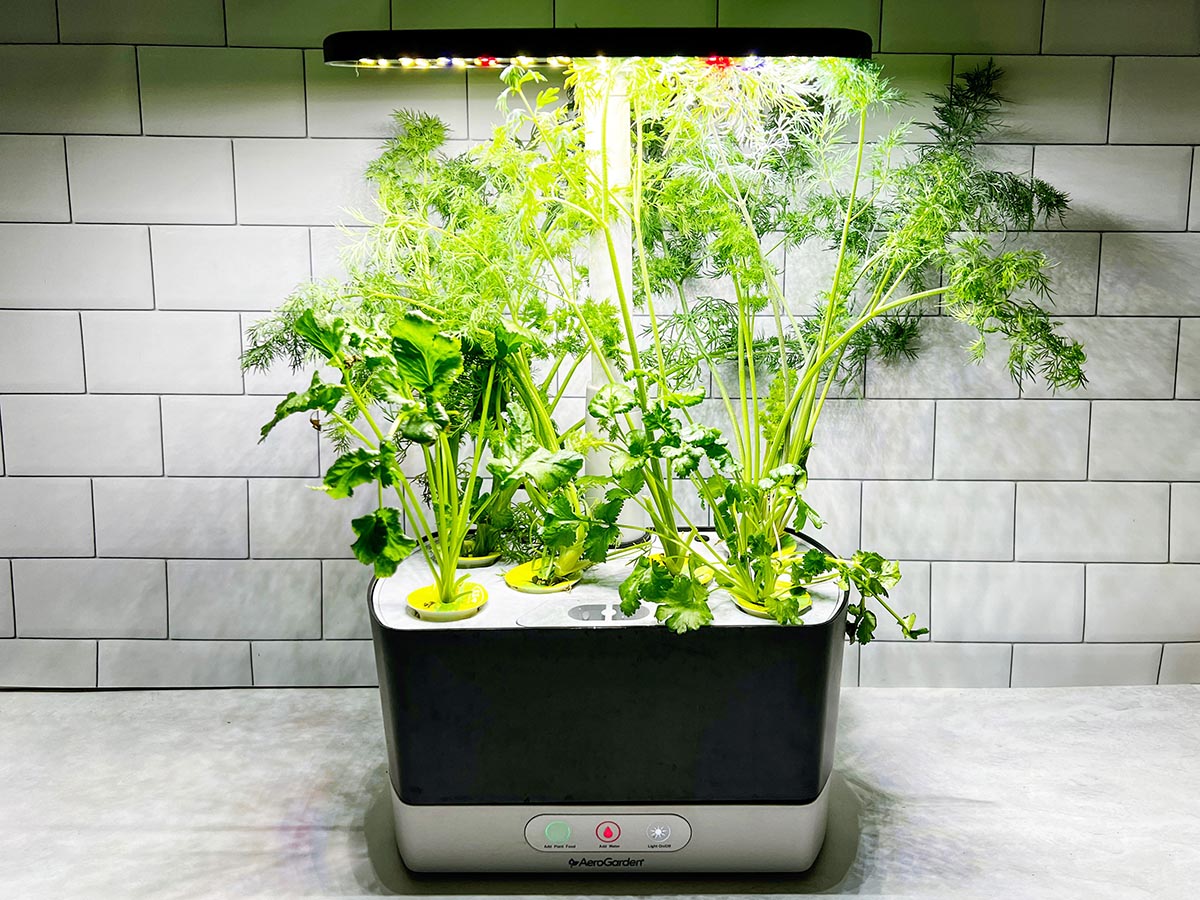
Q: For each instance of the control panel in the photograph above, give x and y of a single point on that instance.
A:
(633, 833)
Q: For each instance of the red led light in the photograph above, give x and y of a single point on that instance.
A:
(719, 62)
(485, 61)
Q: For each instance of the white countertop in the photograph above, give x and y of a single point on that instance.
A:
(1079, 792)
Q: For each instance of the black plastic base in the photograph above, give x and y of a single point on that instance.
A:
(725, 714)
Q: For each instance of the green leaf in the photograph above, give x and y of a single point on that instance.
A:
(872, 574)
(427, 359)
(682, 618)
(547, 96)
(560, 529)
(812, 565)
(419, 428)
(350, 470)
(788, 608)
(359, 467)
(382, 542)
(682, 600)
(683, 399)
(324, 397)
(631, 588)
(548, 470)
(627, 470)
(611, 401)
(599, 540)
(865, 628)
(511, 337)
(326, 341)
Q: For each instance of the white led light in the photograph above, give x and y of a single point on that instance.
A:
(524, 61)
(366, 62)
(459, 62)
(405, 61)
(443, 60)
(422, 63)
(382, 62)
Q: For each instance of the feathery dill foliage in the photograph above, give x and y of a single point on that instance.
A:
(441, 244)
(920, 217)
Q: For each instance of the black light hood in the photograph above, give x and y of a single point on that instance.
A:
(542, 46)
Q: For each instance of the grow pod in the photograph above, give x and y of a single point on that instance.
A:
(553, 733)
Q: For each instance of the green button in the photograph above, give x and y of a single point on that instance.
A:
(558, 832)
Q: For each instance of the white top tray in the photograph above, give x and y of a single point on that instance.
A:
(592, 603)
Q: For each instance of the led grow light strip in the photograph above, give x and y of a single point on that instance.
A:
(556, 47)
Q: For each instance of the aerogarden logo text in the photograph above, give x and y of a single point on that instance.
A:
(606, 862)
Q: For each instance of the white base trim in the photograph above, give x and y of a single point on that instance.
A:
(724, 838)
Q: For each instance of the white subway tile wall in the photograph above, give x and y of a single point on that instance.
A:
(168, 172)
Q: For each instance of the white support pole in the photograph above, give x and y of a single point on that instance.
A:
(608, 140)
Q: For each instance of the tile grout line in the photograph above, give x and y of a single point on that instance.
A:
(153, 286)
(12, 595)
(1191, 188)
(1170, 496)
(162, 439)
(233, 174)
(1087, 448)
(1083, 624)
(1178, 358)
(1112, 80)
(167, 595)
(67, 182)
(1016, 485)
(933, 447)
(304, 89)
(92, 499)
(248, 555)
(137, 83)
(82, 353)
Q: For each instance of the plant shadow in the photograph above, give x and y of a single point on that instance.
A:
(834, 869)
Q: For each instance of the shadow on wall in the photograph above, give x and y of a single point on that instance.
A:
(835, 868)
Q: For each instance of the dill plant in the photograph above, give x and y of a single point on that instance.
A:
(725, 162)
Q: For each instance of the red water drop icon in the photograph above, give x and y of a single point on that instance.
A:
(608, 831)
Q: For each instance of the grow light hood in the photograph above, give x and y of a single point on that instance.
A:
(556, 47)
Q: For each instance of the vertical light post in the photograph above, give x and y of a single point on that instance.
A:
(607, 126)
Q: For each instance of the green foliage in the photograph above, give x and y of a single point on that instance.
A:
(472, 279)
(610, 401)
(362, 466)
(425, 358)
(535, 464)
(382, 542)
(319, 396)
(682, 600)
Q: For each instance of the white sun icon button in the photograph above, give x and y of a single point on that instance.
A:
(658, 833)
